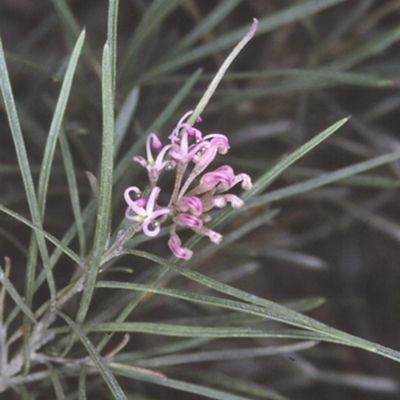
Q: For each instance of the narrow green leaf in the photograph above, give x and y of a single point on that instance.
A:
(26, 173)
(73, 191)
(106, 185)
(276, 311)
(238, 306)
(175, 330)
(56, 122)
(55, 381)
(324, 179)
(48, 157)
(63, 249)
(82, 384)
(169, 348)
(201, 390)
(275, 171)
(223, 355)
(97, 360)
(112, 25)
(62, 245)
(124, 117)
(252, 389)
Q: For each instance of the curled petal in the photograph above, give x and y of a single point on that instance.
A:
(204, 159)
(218, 144)
(197, 225)
(216, 201)
(137, 195)
(188, 220)
(144, 211)
(219, 141)
(245, 179)
(221, 201)
(236, 202)
(136, 204)
(176, 248)
(222, 176)
(215, 237)
(190, 204)
(151, 227)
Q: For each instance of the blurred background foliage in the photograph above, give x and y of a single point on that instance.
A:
(311, 63)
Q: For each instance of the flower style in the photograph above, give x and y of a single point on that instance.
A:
(181, 150)
(154, 167)
(145, 211)
(217, 144)
(188, 208)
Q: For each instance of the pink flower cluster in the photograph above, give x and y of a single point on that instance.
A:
(188, 207)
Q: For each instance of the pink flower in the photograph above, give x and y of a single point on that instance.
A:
(221, 180)
(154, 167)
(215, 237)
(221, 201)
(219, 141)
(190, 204)
(145, 211)
(188, 207)
(218, 144)
(196, 224)
(188, 220)
(175, 245)
(175, 135)
(183, 151)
